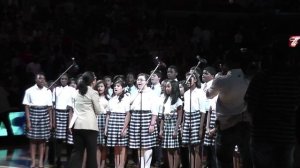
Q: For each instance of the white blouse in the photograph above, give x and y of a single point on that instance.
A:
(147, 100)
(114, 105)
(167, 108)
(34, 96)
(198, 101)
(62, 96)
(103, 104)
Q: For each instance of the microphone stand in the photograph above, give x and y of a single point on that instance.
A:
(193, 71)
(72, 65)
(140, 91)
(54, 107)
(141, 107)
(190, 124)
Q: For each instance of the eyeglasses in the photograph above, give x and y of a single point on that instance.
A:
(140, 80)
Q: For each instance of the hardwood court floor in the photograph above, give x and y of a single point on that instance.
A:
(19, 157)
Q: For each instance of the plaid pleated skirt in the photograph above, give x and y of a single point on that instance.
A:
(61, 120)
(101, 139)
(191, 128)
(40, 123)
(169, 126)
(114, 128)
(210, 141)
(139, 136)
(70, 139)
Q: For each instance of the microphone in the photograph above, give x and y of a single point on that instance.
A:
(74, 63)
(162, 64)
(202, 60)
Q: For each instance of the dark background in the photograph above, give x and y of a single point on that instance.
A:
(113, 37)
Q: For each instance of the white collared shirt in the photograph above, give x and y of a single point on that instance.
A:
(166, 107)
(198, 100)
(110, 91)
(103, 104)
(205, 86)
(149, 101)
(131, 89)
(156, 88)
(34, 96)
(62, 96)
(123, 106)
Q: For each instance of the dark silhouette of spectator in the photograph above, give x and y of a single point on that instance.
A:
(4, 109)
(273, 100)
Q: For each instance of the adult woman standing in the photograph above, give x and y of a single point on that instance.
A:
(84, 122)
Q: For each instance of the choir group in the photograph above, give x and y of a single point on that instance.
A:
(165, 119)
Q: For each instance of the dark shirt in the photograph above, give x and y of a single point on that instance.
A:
(273, 100)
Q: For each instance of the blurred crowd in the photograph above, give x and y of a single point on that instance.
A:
(115, 36)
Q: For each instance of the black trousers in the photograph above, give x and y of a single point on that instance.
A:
(84, 139)
(226, 140)
(4, 118)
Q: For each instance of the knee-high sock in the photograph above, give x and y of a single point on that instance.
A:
(148, 158)
(142, 161)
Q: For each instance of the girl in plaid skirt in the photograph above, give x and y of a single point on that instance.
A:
(210, 130)
(61, 96)
(38, 102)
(143, 128)
(171, 110)
(117, 120)
(194, 112)
(101, 118)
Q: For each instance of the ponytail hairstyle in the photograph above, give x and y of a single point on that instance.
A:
(85, 80)
(123, 84)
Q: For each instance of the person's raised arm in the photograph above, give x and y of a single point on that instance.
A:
(213, 90)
